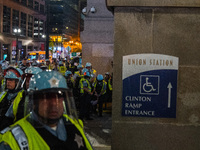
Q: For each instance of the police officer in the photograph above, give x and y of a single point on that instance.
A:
(48, 64)
(51, 124)
(88, 66)
(85, 96)
(69, 79)
(61, 68)
(78, 74)
(10, 97)
(108, 79)
(23, 66)
(100, 91)
(76, 91)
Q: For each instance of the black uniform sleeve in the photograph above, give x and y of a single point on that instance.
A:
(4, 146)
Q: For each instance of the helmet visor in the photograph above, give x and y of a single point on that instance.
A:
(50, 105)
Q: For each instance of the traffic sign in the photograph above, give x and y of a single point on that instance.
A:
(149, 85)
(73, 53)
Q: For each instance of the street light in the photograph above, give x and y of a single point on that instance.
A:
(17, 32)
(43, 36)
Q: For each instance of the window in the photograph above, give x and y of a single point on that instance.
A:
(30, 26)
(24, 2)
(23, 24)
(6, 19)
(30, 48)
(36, 6)
(15, 19)
(30, 3)
(41, 8)
(41, 26)
(36, 25)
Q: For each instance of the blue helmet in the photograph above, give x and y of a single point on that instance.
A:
(99, 77)
(67, 73)
(50, 88)
(34, 64)
(47, 80)
(13, 73)
(86, 74)
(60, 63)
(88, 64)
(84, 70)
(27, 75)
(107, 73)
(32, 70)
(80, 66)
(1, 62)
(20, 71)
(4, 65)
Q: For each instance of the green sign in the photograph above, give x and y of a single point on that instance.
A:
(74, 54)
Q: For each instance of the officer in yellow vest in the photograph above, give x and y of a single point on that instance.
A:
(48, 64)
(61, 68)
(108, 79)
(51, 124)
(69, 79)
(85, 96)
(10, 98)
(100, 91)
(88, 66)
(78, 74)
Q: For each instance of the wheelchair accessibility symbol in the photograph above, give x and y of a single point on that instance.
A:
(149, 84)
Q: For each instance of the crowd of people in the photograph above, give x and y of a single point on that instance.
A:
(44, 105)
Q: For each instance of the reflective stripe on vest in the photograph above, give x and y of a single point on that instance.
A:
(78, 73)
(104, 84)
(81, 85)
(20, 137)
(49, 67)
(2, 95)
(78, 126)
(62, 70)
(16, 103)
(35, 141)
(109, 85)
(93, 71)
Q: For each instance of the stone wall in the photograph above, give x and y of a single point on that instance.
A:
(158, 30)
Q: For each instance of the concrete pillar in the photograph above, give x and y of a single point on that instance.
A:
(158, 27)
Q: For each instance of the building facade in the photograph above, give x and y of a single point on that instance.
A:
(29, 17)
(65, 24)
(97, 36)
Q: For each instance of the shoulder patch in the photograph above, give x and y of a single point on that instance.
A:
(20, 137)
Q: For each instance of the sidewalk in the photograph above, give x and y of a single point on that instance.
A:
(98, 131)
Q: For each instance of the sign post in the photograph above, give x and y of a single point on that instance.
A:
(149, 85)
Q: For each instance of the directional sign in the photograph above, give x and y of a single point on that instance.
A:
(149, 85)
